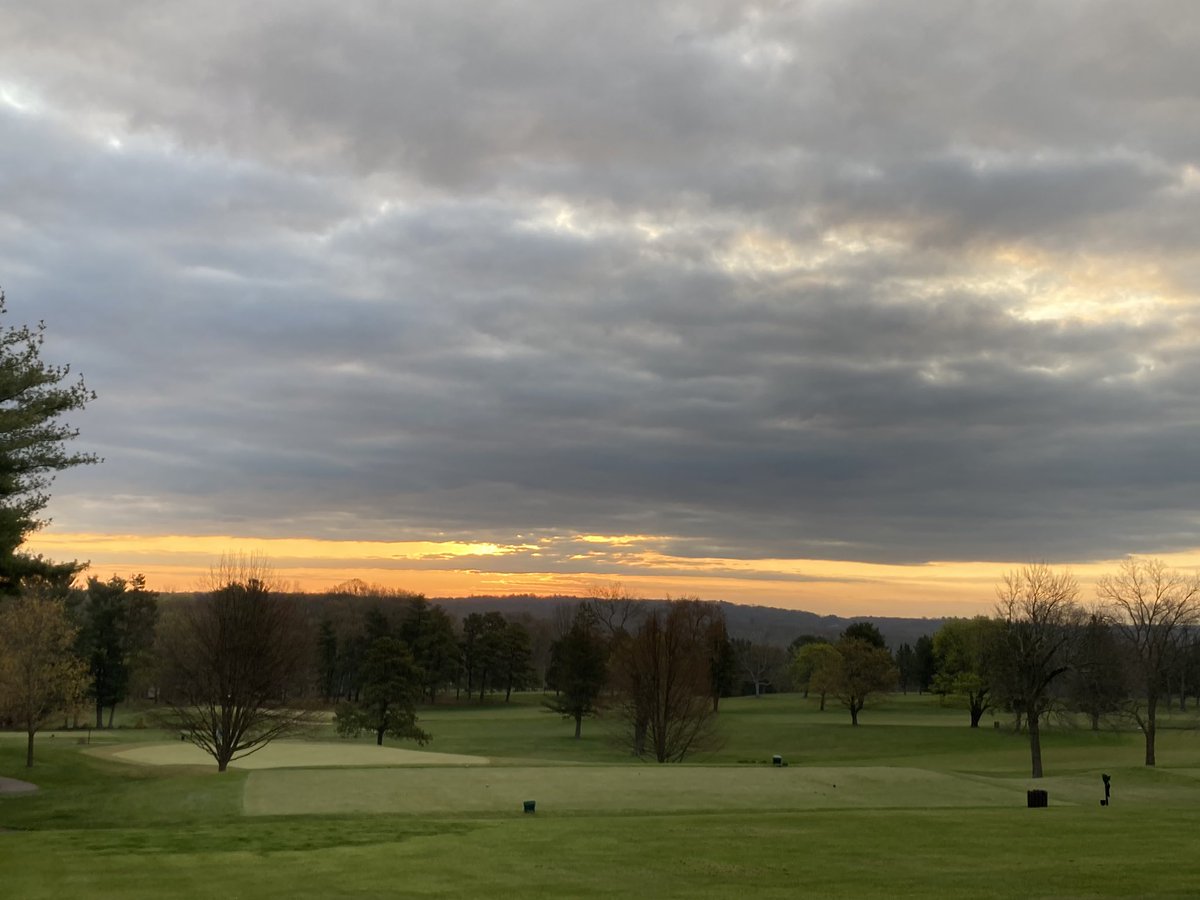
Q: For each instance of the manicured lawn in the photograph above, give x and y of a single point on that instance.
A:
(923, 806)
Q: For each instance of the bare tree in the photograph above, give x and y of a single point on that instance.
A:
(615, 608)
(1152, 609)
(663, 679)
(760, 663)
(233, 661)
(1040, 617)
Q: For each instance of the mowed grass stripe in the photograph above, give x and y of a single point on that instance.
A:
(613, 789)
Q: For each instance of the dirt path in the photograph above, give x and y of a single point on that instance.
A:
(13, 786)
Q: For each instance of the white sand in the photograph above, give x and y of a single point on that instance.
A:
(295, 755)
(15, 786)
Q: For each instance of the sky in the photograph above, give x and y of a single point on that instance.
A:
(841, 306)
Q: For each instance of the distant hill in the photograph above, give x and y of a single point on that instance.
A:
(764, 624)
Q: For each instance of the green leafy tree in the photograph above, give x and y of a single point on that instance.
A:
(40, 674)
(376, 624)
(926, 663)
(964, 650)
(469, 645)
(483, 650)
(906, 665)
(867, 632)
(809, 668)
(578, 669)
(429, 632)
(327, 657)
(1099, 682)
(33, 447)
(803, 641)
(859, 671)
(516, 662)
(723, 661)
(392, 683)
(117, 637)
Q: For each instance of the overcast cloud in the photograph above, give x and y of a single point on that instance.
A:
(871, 281)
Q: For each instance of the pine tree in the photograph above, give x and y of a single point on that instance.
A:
(33, 398)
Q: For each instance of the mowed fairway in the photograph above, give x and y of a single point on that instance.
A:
(641, 788)
(910, 804)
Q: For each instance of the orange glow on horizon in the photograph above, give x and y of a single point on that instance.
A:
(462, 568)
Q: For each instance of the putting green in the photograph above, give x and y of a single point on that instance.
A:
(294, 754)
(616, 788)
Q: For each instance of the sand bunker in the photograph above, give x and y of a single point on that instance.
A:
(13, 786)
(295, 755)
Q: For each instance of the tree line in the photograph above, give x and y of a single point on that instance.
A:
(1044, 653)
(241, 663)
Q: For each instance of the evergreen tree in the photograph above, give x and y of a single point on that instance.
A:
(926, 662)
(578, 669)
(33, 398)
(117, 637)
(391, 688)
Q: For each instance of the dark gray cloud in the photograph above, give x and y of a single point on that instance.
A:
(764, 279)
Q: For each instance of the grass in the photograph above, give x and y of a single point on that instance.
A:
(643, 789)
(923, 805)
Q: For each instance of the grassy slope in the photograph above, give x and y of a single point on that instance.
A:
(101, 828)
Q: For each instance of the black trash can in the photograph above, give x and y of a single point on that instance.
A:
(530, 805)
(1037, 799)
(777, 759)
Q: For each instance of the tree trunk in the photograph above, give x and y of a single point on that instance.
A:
(1035, 744)
(1095, 721)
(112, 710)
(853, 714)
(716, 701)
(822, 702)
(379, 737)
(99, 715)
(639, 737)
(29, 750)
(578, 724)
(976, 713)
(1150, 727)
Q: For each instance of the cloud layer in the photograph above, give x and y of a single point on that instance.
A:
(778, 280)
